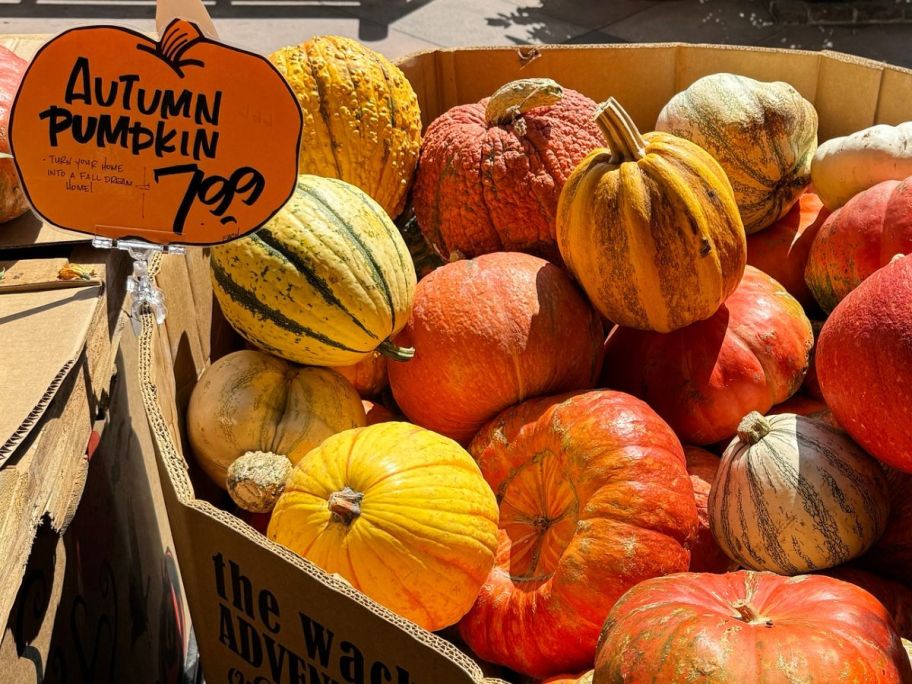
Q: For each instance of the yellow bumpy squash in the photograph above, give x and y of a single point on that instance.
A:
(401, 512)
(361, 118)
(325, 282)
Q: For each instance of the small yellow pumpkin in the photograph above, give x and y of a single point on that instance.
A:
(650, 228)
(401, 512)
(361, 118)
(252, 416)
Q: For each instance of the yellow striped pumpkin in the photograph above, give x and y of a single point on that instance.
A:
(325, 282)
(650, 228)
(763, 134)
(401, 512)
(794, 494)
(361, 118)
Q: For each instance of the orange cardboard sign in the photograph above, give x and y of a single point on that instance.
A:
(184, 141)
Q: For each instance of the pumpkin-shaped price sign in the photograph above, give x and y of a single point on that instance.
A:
(180, 141)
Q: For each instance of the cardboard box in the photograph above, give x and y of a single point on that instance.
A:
(262, 614)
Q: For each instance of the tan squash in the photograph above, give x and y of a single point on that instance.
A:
(252, 416)
(763, 134)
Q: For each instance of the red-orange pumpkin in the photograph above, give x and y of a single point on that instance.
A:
(859, 238)
(594, 497)
(895, 597)
(705, 554)
(368, 376)
(378, 413)
(750, 627)
(781, 250)
(703, 379)
(891, 555)
(490, 173)
(12, 199)
(488, 333)
(864, 364)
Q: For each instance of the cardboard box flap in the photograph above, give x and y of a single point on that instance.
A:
(42, 334)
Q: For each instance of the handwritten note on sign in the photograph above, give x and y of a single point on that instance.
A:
(183, 141)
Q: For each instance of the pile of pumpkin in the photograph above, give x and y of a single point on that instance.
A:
(525, 442)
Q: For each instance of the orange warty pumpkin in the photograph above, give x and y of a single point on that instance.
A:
(488, 333)
(490, 173)
(781, 250)
(705, 554)
(594, 497)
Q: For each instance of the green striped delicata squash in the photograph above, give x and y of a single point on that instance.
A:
(794, 494)
(326, 282)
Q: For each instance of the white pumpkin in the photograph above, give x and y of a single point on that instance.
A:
(843, 167)
(794, 494)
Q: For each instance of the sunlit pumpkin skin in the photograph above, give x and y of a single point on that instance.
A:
(895, 597)
(781, 250)
(649, 228)
(368, 376)
(749, 627)
(794, 495)
(585, 678)
(251, 401)
(400, 512)
(361, 118)
(764, 134)
(864, 357)
(891, 554)
(326, 282)
(704, 378)
(488, 333)
(594, 497)
(12, 199)
(705, 554)
(490, 173)
(859, 238)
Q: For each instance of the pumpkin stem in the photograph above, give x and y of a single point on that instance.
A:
(391, 351)
(517, 97)
(345, 505)
(897, 257)
(622, 135)
(750, 615)
(256, 480)
(752, 428)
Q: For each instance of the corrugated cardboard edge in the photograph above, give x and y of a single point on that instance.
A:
(177, 471)
(36, 413)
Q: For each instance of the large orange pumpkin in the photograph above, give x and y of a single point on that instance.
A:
(750, 627)
(704, 378)
(705, 554)
(12, 199)
(490, 174)
(895, 597)
(781, 250)
(594, 497)
(488, 333)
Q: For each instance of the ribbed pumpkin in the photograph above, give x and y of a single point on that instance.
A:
(650, 228)
(325, 282)
(864, 364)
(794, 494)
(12, 199)
(368, 376)
(252, 403)
(781, 251)
(891, 555)
(488, 333)
(702, 379)
(895, 597)
(361, 118)
(491, 173)
(859, 238)
(705, 554)
(594, 497)
(749, 627)
(400, 512)
(764, 134)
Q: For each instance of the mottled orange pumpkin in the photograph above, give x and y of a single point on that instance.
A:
(705, 554)
(488, 333)
(704, 378)
(490, 173)
(594, 497)
(781, 250)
